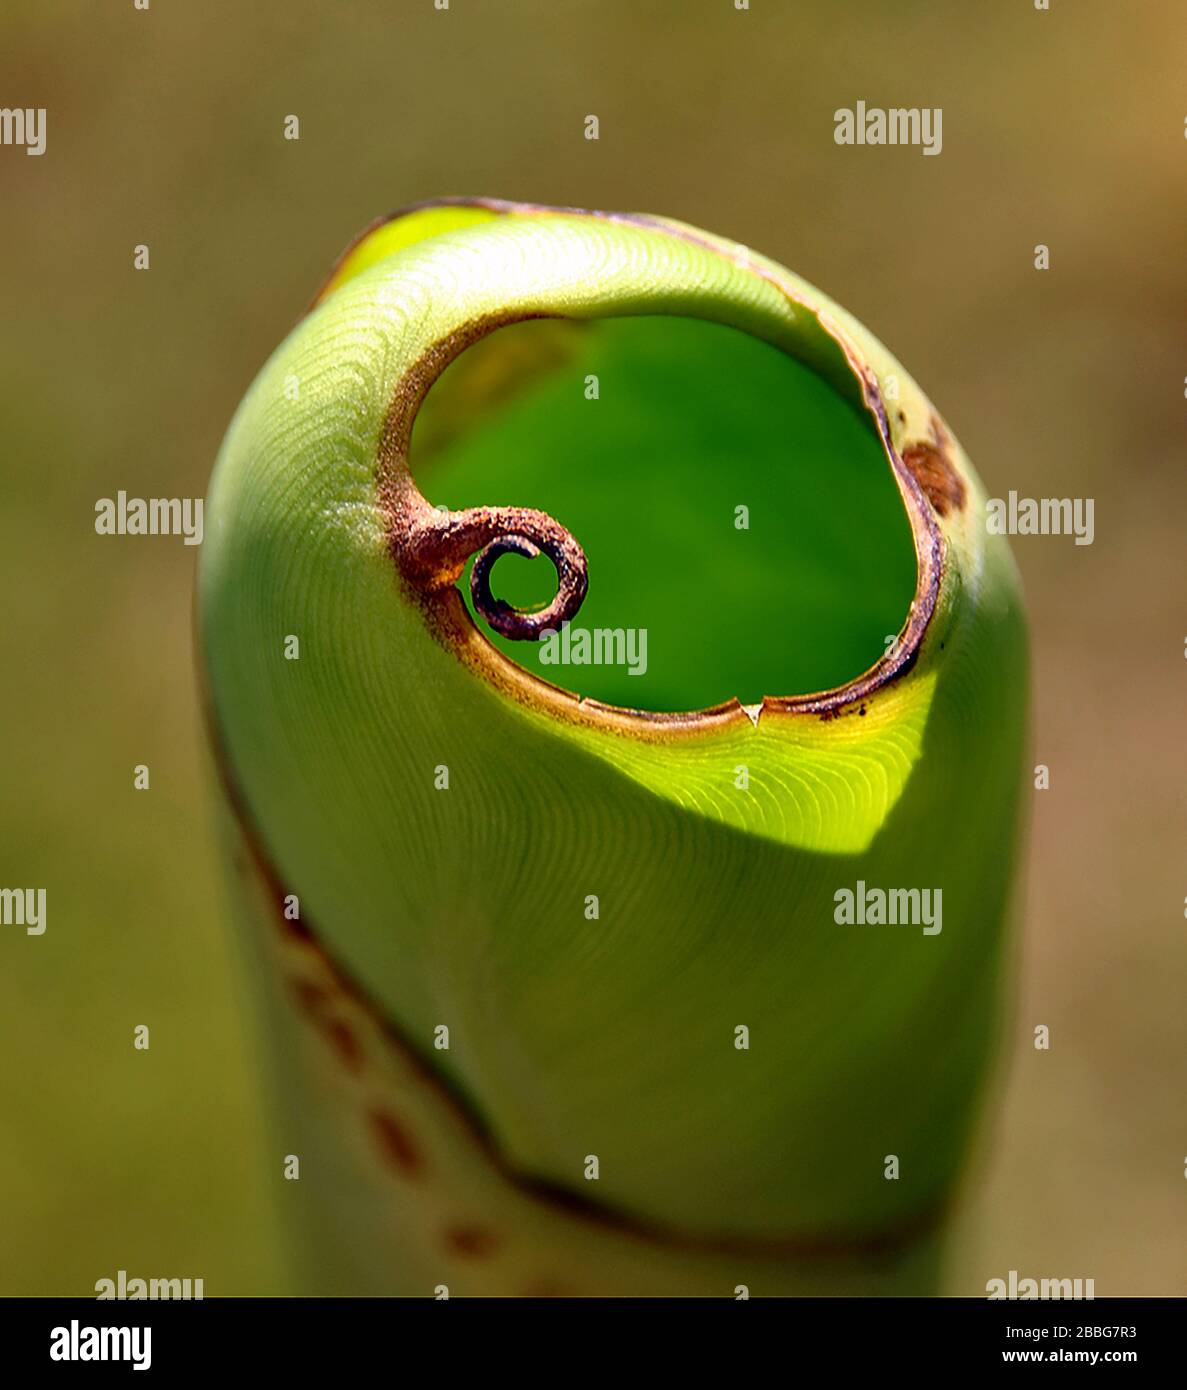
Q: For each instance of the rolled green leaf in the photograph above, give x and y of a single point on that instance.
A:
(565, 995)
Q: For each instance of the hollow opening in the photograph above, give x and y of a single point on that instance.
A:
(743, 531)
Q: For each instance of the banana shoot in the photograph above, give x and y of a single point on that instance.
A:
(600, 980)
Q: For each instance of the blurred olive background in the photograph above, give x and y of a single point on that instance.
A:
(165, 128)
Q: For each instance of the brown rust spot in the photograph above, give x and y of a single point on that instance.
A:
(311, 996)
(339, 1034)
(395, 1144)
(471, 1242)
(548, 1288)
(932, 470)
